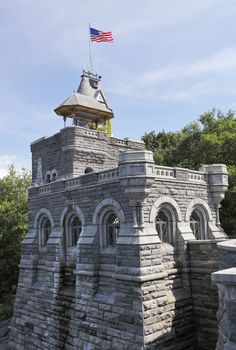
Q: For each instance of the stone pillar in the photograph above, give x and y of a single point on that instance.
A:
(226, 283)
(218, 182)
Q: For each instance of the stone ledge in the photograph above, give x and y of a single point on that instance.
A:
(228, 245)
(206, 241)
(227, 276)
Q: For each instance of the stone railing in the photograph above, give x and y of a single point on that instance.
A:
(73, 182)
(113, 140)
(137, 160)
(163, 171)
(108, 175)
(126, 142)
(169, 172)
(196, 176)
(91, 133)
(158, 171)
(44, 189)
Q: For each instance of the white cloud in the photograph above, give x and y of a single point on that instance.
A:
(212, 76)
(224, 60)
(5, 161)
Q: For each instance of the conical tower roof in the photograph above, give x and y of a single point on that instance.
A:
(88, 103)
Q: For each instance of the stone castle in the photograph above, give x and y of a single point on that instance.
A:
(119, 251)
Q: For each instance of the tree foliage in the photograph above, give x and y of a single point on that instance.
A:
(105, 127)
(13, 225)
(212, 139)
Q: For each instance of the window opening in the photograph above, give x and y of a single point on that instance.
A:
(54, 176)
(76, 229)
(162, 226)
(48, 178)
(88, 170)
(46, 230)
(195, 224)
(112, 229)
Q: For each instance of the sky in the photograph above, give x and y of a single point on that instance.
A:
(171, 61)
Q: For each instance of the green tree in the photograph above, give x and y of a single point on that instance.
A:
(13, 225)
(212, 139)
(228, 205)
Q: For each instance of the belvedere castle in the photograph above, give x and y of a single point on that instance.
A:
(120, 251)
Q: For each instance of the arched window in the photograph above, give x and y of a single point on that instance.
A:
(88, 170)
(75, 230)
(72, 229)
(197, 224)
(163, 227)
(165, 222)
(112, 230)
(54, 175)
(45, 230)
(48, 177)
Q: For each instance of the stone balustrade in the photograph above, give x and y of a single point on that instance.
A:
(44, 189)
(162, 172)
(158, 171)
(73, 182)
(108, 175)
(173, 172)
(196, 176)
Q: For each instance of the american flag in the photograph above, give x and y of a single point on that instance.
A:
(99, 36)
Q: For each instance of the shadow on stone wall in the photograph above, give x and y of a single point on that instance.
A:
(203, 261)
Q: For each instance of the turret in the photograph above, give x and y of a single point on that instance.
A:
(88, 106)
(218, 182)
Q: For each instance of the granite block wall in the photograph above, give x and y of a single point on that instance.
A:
(142, 294)
(74, 149)
(225, 280)
(203, 262)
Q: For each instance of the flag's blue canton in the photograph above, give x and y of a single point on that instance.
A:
(94, 31)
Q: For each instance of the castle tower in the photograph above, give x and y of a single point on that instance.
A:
(85, 146)
(88, 106)
(106, 264)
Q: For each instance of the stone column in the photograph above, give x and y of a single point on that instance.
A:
(217, 176)
(226, 283)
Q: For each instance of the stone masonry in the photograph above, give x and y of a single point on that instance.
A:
(112, 257)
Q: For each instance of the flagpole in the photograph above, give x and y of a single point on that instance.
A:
(90, 57)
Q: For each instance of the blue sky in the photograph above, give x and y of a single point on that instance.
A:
(171, 60)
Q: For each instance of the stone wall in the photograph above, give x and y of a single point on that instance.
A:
(74, 149)
(225, 279)
(168, 310)
(227, 254)
(203, 261)
(135, 295)
(4, 330)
